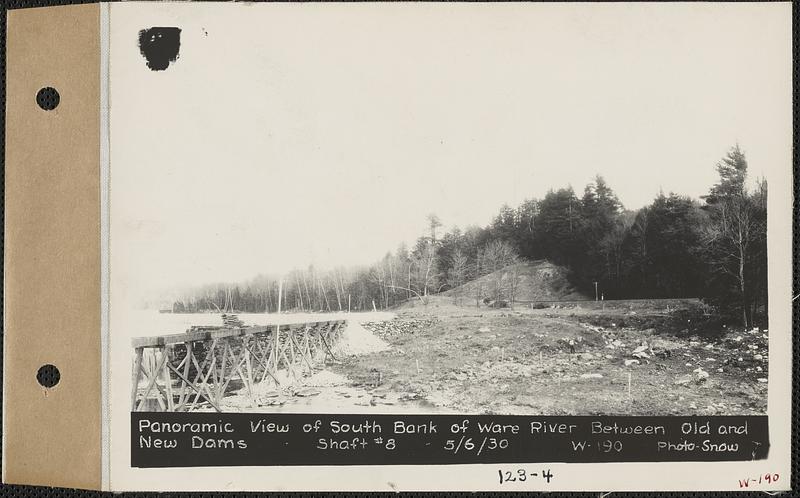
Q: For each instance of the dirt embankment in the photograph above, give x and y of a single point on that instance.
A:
(637, 358)
(528, 281)
(563, 362)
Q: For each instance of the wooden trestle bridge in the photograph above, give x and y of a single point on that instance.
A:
(184, 372)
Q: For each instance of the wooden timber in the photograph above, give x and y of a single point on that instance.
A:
(194, 370)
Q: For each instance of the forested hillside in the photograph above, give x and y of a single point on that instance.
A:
(523, 282)
(713, 248)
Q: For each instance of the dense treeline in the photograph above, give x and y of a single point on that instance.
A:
(714, 248)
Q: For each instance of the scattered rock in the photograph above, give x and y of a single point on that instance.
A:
(700, 374)
(631, 362)
(271, 401)
(642, 352)
(591, 376)
(397, 327)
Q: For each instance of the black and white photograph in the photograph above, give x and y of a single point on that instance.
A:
(576, 226)
(399, 246)
(447, 220)
(568, 304)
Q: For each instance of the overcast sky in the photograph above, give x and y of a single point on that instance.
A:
(286, 135)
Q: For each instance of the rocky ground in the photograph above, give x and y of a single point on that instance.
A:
(639, 358)
(564, 361)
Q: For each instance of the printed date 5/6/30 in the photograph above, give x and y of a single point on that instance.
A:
(522, 475)
(478, 444)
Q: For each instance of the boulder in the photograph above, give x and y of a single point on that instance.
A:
(700, 374)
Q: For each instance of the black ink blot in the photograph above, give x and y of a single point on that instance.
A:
(160, 46)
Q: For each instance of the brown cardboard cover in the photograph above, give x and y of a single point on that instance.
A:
(52, 249)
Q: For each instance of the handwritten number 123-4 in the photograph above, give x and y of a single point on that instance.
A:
(522, 475)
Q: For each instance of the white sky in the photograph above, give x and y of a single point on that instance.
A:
(293, 134)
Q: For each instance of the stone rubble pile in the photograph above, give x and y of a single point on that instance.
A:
(398, 326)
(745, 351)
(229, 320)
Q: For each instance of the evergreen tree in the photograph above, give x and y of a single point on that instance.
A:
(732, 171)
(736, 240)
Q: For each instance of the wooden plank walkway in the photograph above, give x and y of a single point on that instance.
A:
(184, 372)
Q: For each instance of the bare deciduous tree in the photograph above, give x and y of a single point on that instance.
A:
(459, 273)
(734, 229)
(496, 256)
